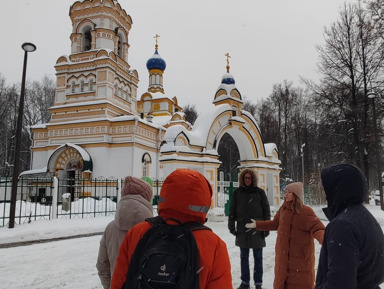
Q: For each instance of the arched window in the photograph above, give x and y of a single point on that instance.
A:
(82, 86)
(116, 89)
(87, 38)
(120, 46)
(73, 88)
(91, 85)
(146, 161)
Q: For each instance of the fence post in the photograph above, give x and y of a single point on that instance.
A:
(55, 186)
(118, 191)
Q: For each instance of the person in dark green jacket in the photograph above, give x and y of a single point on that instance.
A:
(249, 202)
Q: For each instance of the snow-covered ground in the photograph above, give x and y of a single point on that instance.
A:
(70, 264)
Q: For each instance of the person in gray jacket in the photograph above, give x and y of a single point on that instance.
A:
(134, 207)
(249, 202)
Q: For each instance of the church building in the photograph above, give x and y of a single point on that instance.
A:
(100, 128)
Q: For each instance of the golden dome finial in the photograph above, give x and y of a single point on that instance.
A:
(228, 57)
(156, 36)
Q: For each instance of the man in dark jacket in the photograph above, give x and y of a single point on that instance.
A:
(352, 255)
(249, 202)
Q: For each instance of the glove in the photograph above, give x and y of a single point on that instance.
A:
(266, 234)
(233, 232)
(251, 225)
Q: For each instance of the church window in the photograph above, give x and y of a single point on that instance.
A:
(91, 85)
(87, 39)
(73, 87)
(120, 46)
(116, 89)
(82, 86)
(146, 161)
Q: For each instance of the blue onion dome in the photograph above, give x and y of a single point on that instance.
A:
(156, 62)
(228, 79)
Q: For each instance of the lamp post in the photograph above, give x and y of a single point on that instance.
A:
(27, 47)
(373, 95)
(302, 160)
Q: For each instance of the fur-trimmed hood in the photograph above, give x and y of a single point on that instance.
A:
(241, 177)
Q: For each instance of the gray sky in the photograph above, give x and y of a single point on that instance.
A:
(269, 41)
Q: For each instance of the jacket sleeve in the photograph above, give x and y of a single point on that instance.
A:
(316, 227)
(121, 267)
(221, 272)
(103, 265)
(271, 225)
(127, 248)
(232, 212)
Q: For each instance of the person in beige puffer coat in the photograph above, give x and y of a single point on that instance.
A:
(133, 208)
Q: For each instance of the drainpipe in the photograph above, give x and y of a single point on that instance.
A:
(133, 147)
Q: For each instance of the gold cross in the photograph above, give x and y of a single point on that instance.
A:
(228, 57)
(156, 36)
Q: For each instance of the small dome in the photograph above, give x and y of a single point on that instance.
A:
(156, 62)
(228, 79)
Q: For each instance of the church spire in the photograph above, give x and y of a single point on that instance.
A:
(156, 66)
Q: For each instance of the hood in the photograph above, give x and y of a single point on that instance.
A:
(186, 196)
(241, 177)
(344, 185)
(128, 209)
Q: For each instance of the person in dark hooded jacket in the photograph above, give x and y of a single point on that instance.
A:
(352, 254)
(249, 202)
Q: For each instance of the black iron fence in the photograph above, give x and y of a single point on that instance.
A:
(51, 198)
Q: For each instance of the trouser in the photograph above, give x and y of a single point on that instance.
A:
(258, 266)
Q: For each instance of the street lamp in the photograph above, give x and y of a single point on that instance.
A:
(27, 47)
(373, 95)
(302, 160)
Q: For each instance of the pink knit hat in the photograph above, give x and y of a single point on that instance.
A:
(135, 186)
(296, 188)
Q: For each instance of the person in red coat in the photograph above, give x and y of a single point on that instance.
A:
(186, 196)
(297, 226)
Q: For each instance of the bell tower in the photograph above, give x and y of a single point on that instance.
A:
(96, 80)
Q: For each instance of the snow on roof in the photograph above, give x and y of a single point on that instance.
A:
(35, 171)
(199, 134)
(84, 154)
(154, 124)
(269, 148)
(161, 120)
(189, 159)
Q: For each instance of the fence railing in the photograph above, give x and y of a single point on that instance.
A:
(51, 198)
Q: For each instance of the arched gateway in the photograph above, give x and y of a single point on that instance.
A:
(196, 147)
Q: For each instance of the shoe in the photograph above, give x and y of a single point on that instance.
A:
(243, 286)
(258, 287)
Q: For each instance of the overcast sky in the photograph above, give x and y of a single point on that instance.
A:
(269, 41)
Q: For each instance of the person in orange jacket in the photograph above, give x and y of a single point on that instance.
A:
(185, 196)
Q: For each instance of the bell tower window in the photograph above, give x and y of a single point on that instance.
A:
(120, 46)
(87, 38)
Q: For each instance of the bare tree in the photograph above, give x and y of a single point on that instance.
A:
(190, 113)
